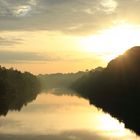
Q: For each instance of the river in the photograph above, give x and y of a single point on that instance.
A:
(52, 117)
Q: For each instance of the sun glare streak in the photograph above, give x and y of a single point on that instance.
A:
(113, 41)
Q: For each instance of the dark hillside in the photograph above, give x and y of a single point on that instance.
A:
(116, 89)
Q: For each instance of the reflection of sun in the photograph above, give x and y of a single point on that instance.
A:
(112, 126)
(113, 41)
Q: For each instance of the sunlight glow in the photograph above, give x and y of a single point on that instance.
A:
(109, 124)
(113, 41)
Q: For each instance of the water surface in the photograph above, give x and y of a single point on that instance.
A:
(64, 117)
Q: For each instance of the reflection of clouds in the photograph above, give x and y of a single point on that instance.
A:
(66, 135)
(52, 113)
(49, 103)
(54, 117)
(8, 122)
(9, 125)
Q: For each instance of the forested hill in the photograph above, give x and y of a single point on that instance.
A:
(16, 89)
(116, 89)
(59, 80)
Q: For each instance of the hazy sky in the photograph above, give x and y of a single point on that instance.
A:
(47, 36)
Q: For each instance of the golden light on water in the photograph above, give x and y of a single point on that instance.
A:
(58, 114)
(90, 117)
(112, 125)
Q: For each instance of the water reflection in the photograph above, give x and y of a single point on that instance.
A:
(54, 117)
(15, 101)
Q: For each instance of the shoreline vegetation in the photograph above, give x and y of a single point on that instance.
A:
(16, 89)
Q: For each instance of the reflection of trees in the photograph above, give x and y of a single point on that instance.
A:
(116, 89)
(16, 89)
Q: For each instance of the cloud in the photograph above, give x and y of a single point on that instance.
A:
(9, 122)
(28, 57)
(22, 10)
(22, 57)
(66, 135)
(16, 8)
(9, 41)
(68, 16)
(108, 6)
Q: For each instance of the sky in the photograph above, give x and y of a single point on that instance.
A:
(49, 36)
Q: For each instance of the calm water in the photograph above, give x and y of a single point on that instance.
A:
(54, 117)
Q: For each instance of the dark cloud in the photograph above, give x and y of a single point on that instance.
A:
(69, 16)
(21, 57)
(16, 8)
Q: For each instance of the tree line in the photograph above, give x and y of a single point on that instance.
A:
(16, 89)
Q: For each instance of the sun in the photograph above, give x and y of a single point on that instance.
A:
(112, 42)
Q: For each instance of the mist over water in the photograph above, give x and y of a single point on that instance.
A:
(61, 117)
